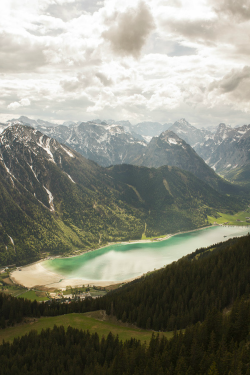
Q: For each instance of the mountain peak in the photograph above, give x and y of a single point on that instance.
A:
(171, 138)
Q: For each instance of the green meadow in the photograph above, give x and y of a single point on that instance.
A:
(86, 321)
(238, 219)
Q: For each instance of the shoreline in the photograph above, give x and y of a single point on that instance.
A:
(36, 275)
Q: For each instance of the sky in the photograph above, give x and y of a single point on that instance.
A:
(136, 60)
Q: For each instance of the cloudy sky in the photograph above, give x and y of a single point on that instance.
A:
(146, 60)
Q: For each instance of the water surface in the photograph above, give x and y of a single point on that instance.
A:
(124, 261)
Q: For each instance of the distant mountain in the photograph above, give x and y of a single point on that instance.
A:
(102, 143)
(53, 200)
(35, 123)
(169, 149)
(189, 133)
(228, 152)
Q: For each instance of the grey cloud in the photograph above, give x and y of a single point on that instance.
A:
(80, 82)
(128, 34)
(104, 80)
(231, 81)
(239, 9)
(18, 54)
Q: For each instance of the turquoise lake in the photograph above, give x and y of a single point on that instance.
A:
(125, 261)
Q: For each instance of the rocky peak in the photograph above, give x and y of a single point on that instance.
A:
(171, 138)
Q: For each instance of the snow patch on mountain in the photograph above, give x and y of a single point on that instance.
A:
(67, 152)
(46, 146)
(172, 141)
(71, 179)
(51, 198)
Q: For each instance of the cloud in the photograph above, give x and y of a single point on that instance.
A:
(130, 30)
(20, 54)
(231, 81)
(104, 80)
(239, 9)
(22, 103)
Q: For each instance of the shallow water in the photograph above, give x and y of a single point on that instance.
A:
(124, 261)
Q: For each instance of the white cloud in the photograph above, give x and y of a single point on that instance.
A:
(14, 105)
(22, 103)
(72, 57)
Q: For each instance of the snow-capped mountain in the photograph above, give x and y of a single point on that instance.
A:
(54, 200)
(102, 143)
(28, 121)
(169, 149)
(227, 149)
(189, 133)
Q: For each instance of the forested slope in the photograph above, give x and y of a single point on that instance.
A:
(182, 293)
(218, 346)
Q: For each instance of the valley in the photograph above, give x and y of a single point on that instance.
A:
(54, 201)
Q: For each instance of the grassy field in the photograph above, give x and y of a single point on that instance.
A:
(86, 321)
(34, 295)
(231, 219)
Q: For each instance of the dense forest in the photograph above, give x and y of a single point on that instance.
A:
(206, 293)
(220, 345)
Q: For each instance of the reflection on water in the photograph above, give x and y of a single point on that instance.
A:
(120, 262)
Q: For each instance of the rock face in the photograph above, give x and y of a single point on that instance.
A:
(227, 149)
(102, 143)
(189, 133)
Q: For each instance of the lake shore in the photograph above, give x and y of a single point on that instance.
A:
(36, 275)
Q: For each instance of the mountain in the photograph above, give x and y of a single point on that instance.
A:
(228, 152)
(226, 149)
(53, 200)
(2, 127)
(34, 123)
(102, 143)
(169, 149)
(189, 133)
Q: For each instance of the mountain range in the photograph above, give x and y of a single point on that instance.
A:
(53, 200)
(226, 150)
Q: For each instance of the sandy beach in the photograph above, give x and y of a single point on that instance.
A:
(36, 275)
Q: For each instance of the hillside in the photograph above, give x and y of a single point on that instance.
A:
(54, 200)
